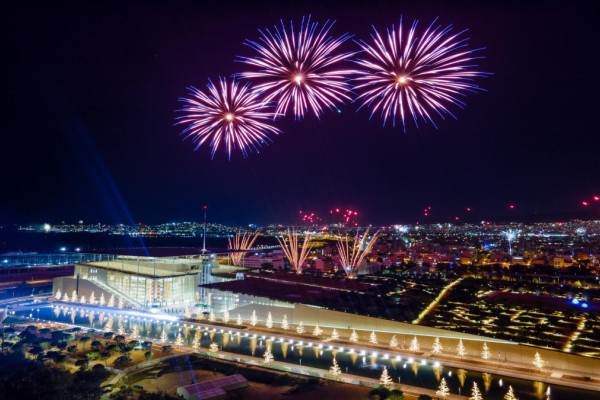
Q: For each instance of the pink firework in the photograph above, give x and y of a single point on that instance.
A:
(300, 68)
(415, 74)
(230, 114)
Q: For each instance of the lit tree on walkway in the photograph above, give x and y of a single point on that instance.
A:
(82, 299)
(538, 361)
(373, 338)
(510, 395)
(393, 342)
(239, 320)
(111, 300)
(178, 340)
(196, 340)
(475, 393)
(353, 336)
(253, 319)
(460, 349)
(211, 316)
(284, 323)
(74, 296)
(443, 391)
(213, 348)
(187, 312)
(486, 354)
(58, 294)
(414, 345)
(335, 368)
(269, 323)
(385, 379)
(102, 300)
(353, 254)
(294, 252)
(135, 332)
(268, 356)
(93, 298)
(437, 346)
(163, 337)
(317, 331)
(226, 316)
(335, 335)
(240, 242)
(121, 302)
(300, 328)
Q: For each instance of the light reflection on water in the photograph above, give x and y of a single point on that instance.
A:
(402, 371)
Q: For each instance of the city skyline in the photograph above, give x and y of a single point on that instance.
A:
(91, 92)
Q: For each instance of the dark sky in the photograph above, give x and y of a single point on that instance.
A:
(89, 93)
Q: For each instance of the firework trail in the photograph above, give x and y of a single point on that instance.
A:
(411, 74)
(352, 255)
(241, 241)
(299, 68)
(295, 252)
(229, 113)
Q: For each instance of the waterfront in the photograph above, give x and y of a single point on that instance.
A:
(309, 352)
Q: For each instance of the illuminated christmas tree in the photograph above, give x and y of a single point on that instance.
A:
(317, 331)
(460, 349)
(269, 322)
(335, 368)
(213, 348)
(475, 393)
(178, 340)
(385, 379)
(163, 337)
(300, 328)
(353, 336)
(486, 354)
(268, 356)
(414, 345)
(335, 335)
(538, 361)
(196, 340)
(373, 338)
(443, 391)
(253, 319)
(284, 323)
(510, 395)
(437, 346)
(393, 342)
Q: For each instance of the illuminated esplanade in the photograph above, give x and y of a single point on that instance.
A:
(160, 278)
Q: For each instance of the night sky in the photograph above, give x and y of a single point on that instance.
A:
(89, 95)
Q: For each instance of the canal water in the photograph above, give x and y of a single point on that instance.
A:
(410, 371)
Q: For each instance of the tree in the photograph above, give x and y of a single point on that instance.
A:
(226, 316)
(121, 361)
(268, 356)
(284, 323)
(135, 332)
(253, 319)
(96, 345)
(443, 391)
(167, 349)
(385, 378)
(353, 336)
(335, 368)
(178, 340)
(317, 331)
(538, 361)
(486, 354)
(84, 340)
(239, 320)
(510, 395)
(213, 348)
(148, 355)
(373, 338)
(300, 328)
(437, 346)
(460, 349)
(269, 323)
(414, 345)
(335, 335)
(163, 337)
(393, 342)
(475, 393)
(196, 340)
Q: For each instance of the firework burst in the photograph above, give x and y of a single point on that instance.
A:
(300, 68)
(229, 113)
(418, 75)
